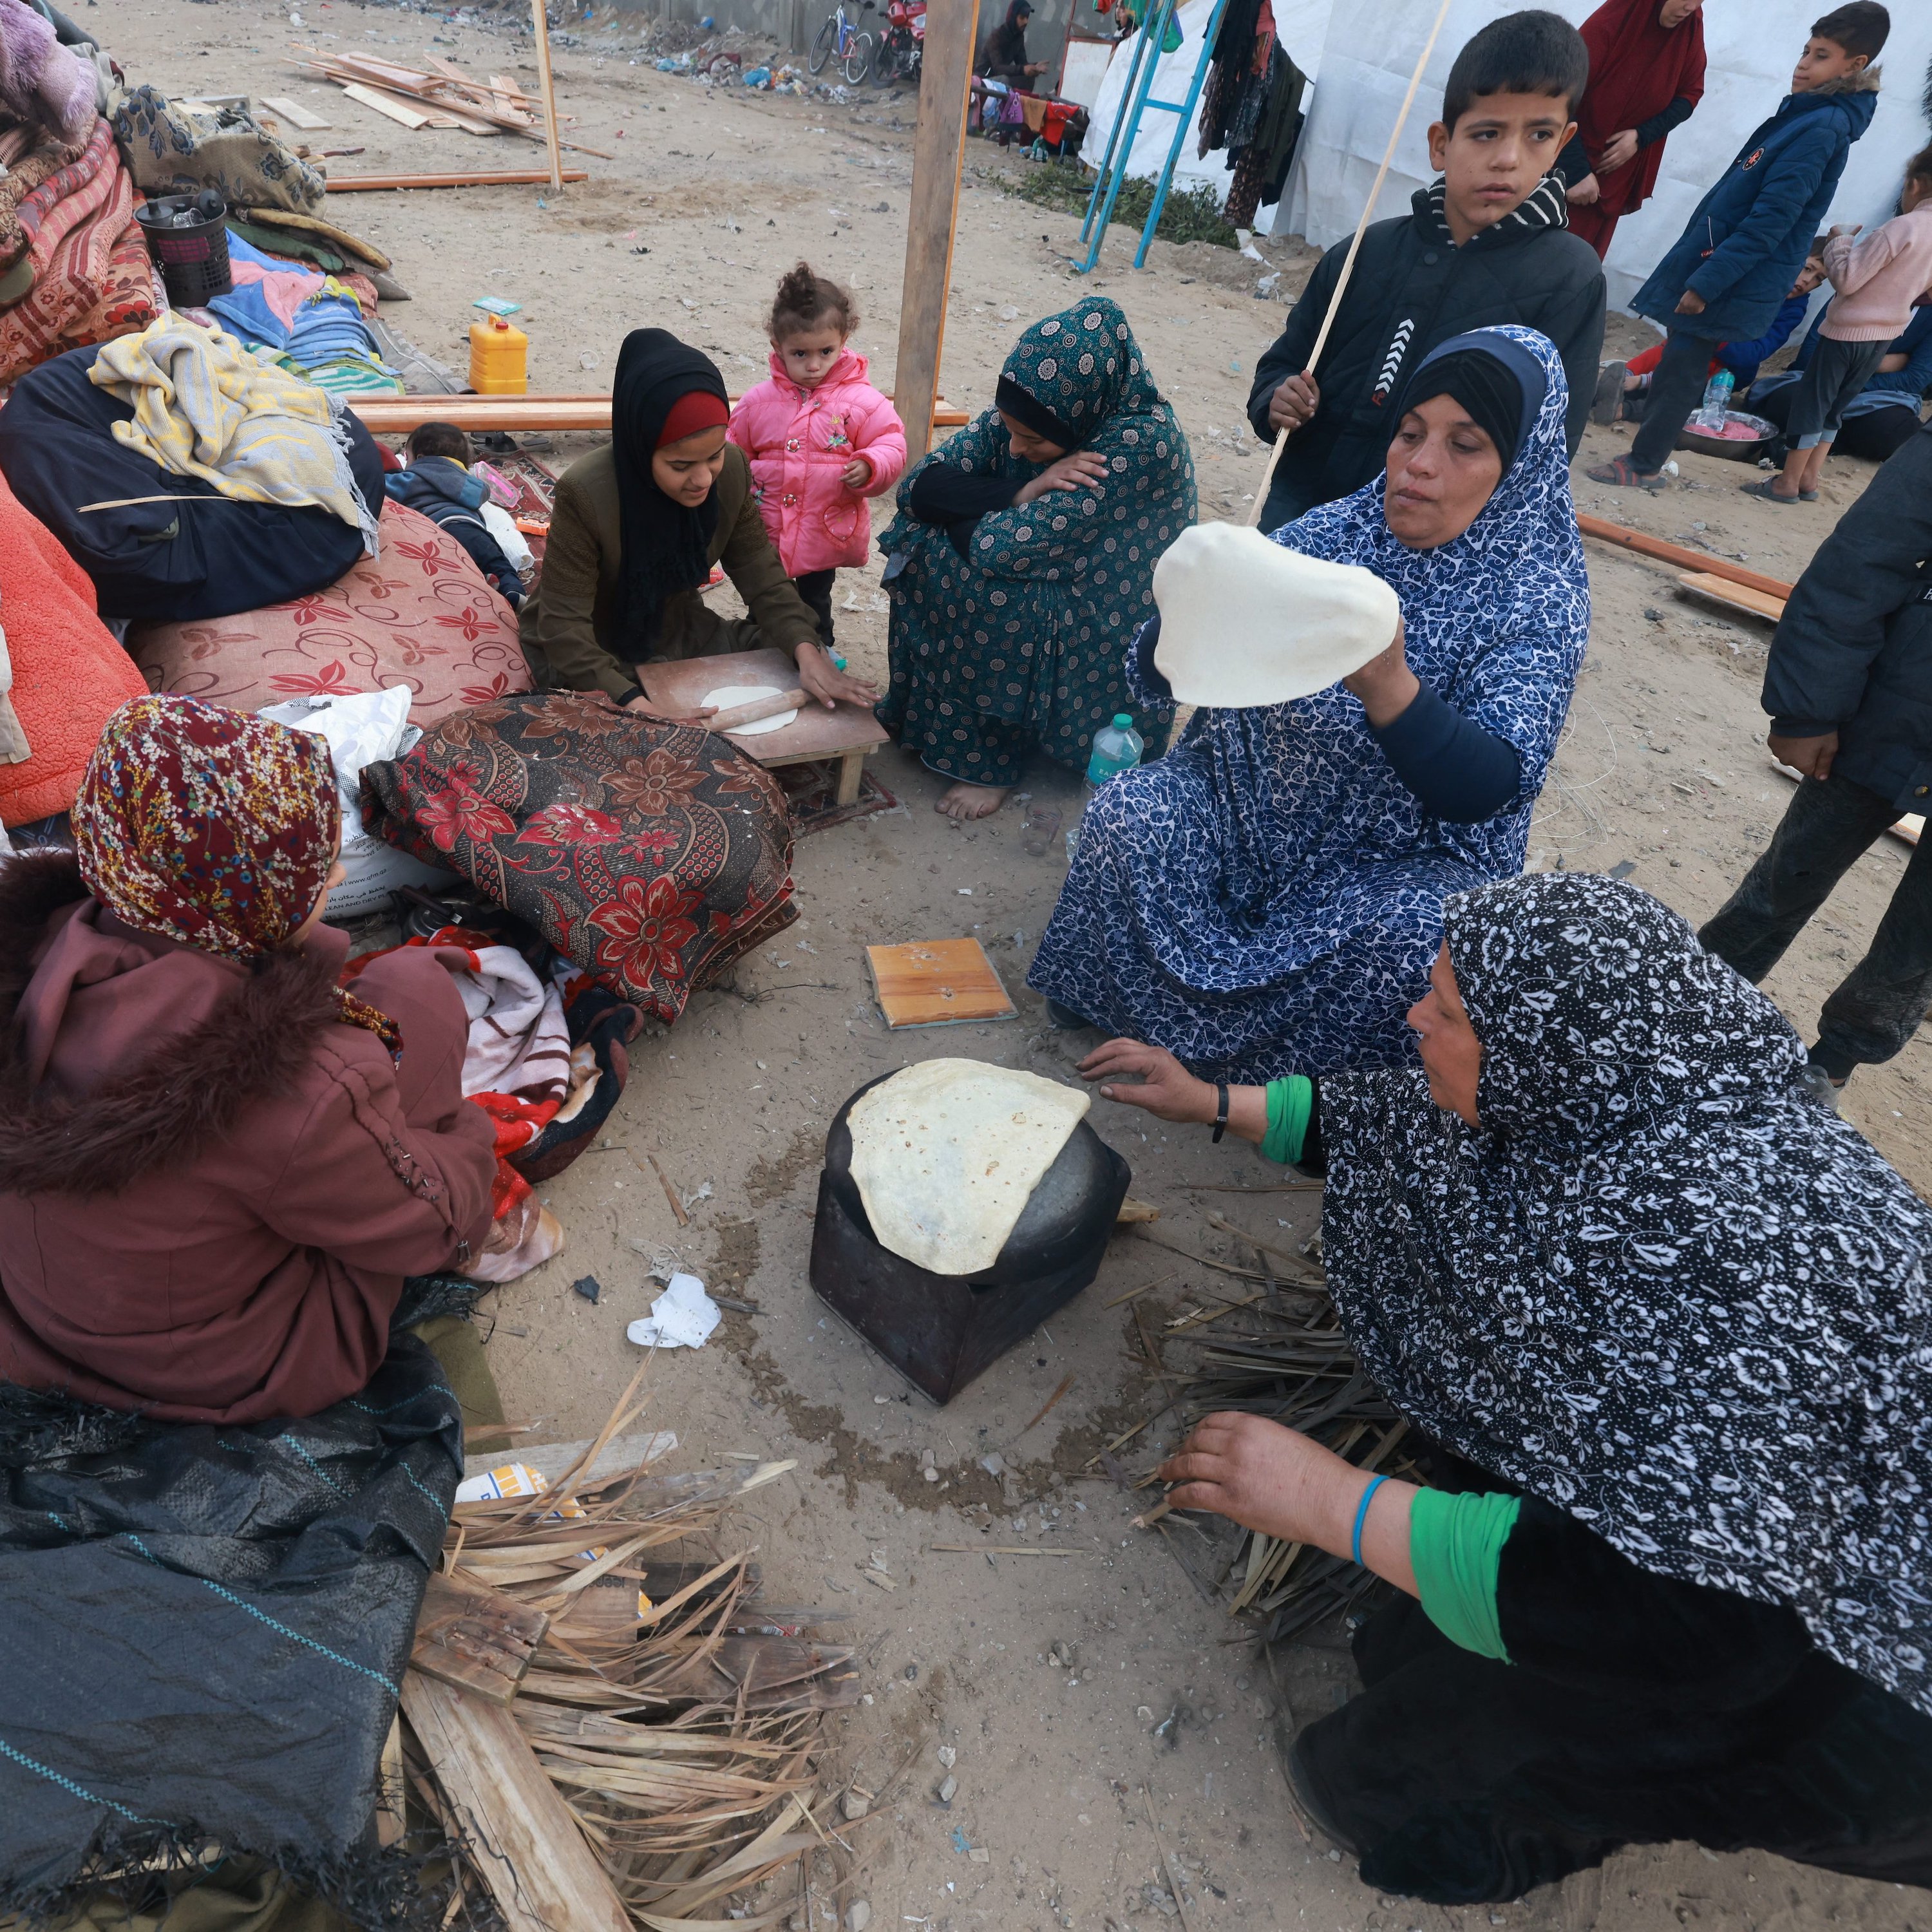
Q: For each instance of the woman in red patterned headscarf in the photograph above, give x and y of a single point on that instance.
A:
(1646, 75)
(216, 1166)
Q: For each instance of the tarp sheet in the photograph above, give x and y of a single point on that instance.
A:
(206, 1629)
(1752, 51)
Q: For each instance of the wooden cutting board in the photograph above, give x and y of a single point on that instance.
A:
(937, 982)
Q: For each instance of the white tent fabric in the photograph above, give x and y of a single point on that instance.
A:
(1302, 26)
(1752, 52)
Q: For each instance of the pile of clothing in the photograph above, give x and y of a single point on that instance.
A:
(1252, 107)
(175, 149)
(312, 322)
(73, 266)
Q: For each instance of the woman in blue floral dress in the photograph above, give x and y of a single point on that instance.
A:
(1267, 899)
(1022, 559)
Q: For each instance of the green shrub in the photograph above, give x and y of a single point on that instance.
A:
(1188, 214)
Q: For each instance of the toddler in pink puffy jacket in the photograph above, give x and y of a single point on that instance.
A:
(820, 438)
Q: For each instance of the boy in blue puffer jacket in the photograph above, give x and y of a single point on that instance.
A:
(1732, 265)
(438, 484)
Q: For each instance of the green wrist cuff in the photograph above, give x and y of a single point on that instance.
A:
(1291, 1106)
(1455, 1548)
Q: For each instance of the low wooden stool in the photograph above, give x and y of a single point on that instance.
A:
(847, 732)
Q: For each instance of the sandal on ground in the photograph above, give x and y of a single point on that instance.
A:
(1807, 495)
(1763, 488)
(1620, 471)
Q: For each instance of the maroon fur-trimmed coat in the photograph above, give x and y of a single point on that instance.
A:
(211, 1187)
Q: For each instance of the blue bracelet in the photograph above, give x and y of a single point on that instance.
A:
(1362, 1516)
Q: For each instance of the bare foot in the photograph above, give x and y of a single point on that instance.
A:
(963, 801)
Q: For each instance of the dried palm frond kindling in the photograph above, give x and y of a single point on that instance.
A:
(1302, 1372)
(675, 1718)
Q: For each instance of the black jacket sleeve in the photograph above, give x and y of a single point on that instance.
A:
(955, 500)
(1289, 355)
(1864, 573)
(1649, 133)
(1574, 163)
(1573, 319)
(1456, 769)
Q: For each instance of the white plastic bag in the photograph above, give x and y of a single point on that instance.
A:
(361, 727)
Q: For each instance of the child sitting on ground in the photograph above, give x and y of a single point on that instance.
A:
(1487, 243)
(1877, 280)
(820, 439)
(1727, 274)
(1623, 390)
(437, 485)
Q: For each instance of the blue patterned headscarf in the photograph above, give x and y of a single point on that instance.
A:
(1512, 588)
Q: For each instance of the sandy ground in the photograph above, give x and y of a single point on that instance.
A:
(1664, 765)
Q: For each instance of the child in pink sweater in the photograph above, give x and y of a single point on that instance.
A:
(820, 438)
(1878, 280)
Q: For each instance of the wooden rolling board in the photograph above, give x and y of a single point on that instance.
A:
(1733, 596)
(814, 733)
(938, 982)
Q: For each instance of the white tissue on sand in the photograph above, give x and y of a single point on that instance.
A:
(682, 1317)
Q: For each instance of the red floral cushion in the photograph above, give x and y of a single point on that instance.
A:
(420, 614)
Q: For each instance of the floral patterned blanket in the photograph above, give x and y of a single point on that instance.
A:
(652, 855)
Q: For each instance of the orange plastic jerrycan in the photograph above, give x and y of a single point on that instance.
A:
(498, 353)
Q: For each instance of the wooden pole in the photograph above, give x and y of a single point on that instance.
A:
(1355, 248)
(548, 91)
(938, 157)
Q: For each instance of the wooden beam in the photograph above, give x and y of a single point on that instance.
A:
(938, 155)
(543, 1876)
(547, 92)
(1664, 551)
(293, 112)
(391, 105)
(477, 1639)
(397, 416)
(498, 177)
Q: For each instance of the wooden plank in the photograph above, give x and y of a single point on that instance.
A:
(1733, 596)
(397, 416)
(476, 1638)
(1664, 551)
(543, 1876)
(389, 104)
(941, 982)
(814, 733)
(294, 112)
(554, 1461)
(547, 91)
(938, 154)
(488, 177)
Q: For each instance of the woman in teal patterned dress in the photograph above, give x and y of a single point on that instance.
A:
(1021, 561)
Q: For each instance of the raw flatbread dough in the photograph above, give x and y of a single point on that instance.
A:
(729, 697)
(947, 1154)
(1245, 622)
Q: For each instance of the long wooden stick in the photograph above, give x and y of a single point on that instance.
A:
(1664, 551)
(549, 93)
(1354, 249)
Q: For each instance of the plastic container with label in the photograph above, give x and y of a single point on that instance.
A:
(498, 351)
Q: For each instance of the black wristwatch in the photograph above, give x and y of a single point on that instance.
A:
(1220, 1108)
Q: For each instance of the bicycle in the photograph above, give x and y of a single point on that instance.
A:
(842, 34)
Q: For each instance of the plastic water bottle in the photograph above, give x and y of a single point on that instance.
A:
(1116, 749)
(1717, 403)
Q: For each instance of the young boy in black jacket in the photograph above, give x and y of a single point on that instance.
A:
(438, 484)
(1486, 243)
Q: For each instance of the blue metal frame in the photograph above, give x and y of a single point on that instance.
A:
(1136, 97)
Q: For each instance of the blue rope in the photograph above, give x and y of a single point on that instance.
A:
(68, 1785)
(280, 1629)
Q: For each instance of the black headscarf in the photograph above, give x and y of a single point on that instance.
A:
(667, 548)
(1657, 1287)
(1027, 409)
(1497, 381)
